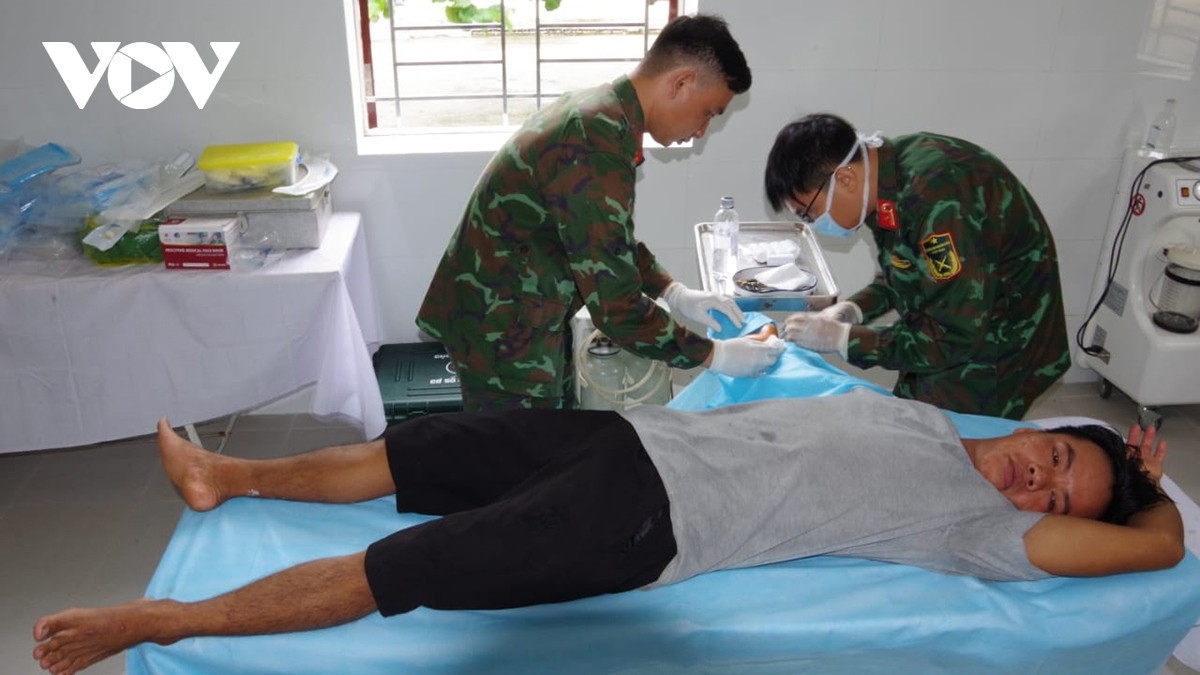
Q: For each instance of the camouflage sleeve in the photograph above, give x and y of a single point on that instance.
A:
(874, 299)
(946, 308)
(655, 277)
(592, 201)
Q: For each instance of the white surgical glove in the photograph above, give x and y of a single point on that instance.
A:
(694, 305)
(745, 356)
(844, 311)
(818, 333)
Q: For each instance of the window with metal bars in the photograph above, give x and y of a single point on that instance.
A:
(438, 66)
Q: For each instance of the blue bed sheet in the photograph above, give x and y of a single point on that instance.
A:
(825, 615)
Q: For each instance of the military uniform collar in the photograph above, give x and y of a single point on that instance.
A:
(635, 117)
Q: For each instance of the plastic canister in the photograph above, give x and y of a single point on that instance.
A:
(1181, 291)
(603, 371)
(615, 379)
(1179, 299)
(246, 166)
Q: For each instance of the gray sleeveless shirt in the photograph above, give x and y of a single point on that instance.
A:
(858, 474)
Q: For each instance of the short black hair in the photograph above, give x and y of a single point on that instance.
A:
(1132, 490)
(703, 39)
(805, 153)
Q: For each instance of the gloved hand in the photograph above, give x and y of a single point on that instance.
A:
(818, 333)
(745, 356)
(844, 311)
(694, 305)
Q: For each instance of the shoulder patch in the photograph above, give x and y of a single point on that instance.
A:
(941, 256)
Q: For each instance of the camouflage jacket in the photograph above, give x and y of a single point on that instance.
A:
(549, 228)
(967, 260)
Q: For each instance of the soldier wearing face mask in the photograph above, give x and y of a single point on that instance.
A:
(965, 258)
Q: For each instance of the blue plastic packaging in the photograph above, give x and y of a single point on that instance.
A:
(18, 180)
(30, 165)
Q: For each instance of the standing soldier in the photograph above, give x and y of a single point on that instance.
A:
(965, 258)
(549, 229)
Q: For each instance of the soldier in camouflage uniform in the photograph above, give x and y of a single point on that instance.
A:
(965, 256)
(549, 229)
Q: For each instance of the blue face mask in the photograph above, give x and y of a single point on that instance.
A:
(826, 225)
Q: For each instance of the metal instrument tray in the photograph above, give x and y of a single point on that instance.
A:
(809, 258)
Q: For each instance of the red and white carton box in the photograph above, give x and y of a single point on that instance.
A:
(198, 243)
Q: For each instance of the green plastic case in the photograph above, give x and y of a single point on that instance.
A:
(416, 378)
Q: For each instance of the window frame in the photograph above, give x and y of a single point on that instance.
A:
(371, 140)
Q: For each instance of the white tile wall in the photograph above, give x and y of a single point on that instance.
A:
(1054, 87)
(971, 37)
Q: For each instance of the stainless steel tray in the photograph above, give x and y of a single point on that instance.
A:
(809, 258)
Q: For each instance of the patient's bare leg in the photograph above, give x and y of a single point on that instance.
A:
(309, 596)
(342, 474)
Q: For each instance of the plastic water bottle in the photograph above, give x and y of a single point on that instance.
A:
(725, 239)
(1162, 130)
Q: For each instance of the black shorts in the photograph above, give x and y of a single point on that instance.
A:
(538, 506)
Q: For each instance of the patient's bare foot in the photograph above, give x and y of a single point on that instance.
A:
(191, 468)
(76, 638)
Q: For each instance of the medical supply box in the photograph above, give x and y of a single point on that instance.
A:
(272, 219)
(249, 166)
(198, 243)
(416, 378)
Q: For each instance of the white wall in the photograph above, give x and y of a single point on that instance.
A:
(1054, 87)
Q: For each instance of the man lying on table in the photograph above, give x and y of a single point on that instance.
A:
(546, 506)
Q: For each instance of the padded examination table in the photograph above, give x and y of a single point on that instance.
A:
(822, 615)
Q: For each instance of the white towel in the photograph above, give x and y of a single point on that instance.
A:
(787, 277)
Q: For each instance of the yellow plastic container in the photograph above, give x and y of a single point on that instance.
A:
(249, 166)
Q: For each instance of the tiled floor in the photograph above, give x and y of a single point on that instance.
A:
(86, 526)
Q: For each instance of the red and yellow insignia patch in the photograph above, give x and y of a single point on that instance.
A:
(887, 215)
(941, 256)
(900, 263)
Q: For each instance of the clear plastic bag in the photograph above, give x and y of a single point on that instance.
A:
(32, 243)
(253, 251)
(147, 190)
(64, 202)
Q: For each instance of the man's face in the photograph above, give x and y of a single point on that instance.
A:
(843, 207)
(691, 105)
(1048, 473)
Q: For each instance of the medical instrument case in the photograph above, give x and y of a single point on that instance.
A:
(416, 378)
(278, 220)
(808, 257)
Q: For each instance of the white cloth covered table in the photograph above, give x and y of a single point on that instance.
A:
(91, 354)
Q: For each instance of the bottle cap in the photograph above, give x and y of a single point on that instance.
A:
(603, 346)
